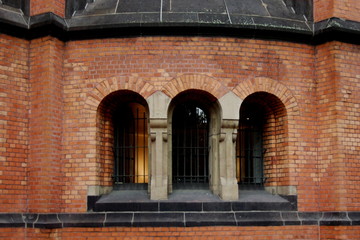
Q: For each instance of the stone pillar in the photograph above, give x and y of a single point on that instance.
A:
(230, 105)
(227, 164)
(158, 159)
(158, 164)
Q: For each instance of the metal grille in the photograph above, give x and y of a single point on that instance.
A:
(249, 157)
(190, 146)
(130, 145)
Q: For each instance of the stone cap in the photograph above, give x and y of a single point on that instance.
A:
(288, 20)
(178, 219)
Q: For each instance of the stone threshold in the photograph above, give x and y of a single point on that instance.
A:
(191, 201)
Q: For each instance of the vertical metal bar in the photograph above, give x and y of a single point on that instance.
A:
(178, 153)
(191, 153)
(184, 150)
(116, 152)
(206, 148)
(144, 148)
(136, 163)
(198, 143)
(123, 149)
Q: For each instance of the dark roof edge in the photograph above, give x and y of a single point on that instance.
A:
(333, 29)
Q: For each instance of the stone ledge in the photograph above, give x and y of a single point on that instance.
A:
(147, 24)
(178, 219)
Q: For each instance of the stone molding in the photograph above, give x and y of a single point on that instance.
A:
(178, 219)
(15, 23)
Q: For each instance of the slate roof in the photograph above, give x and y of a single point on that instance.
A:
(282, 13)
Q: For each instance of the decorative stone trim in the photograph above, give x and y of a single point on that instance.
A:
(93, 27)
(179, 219)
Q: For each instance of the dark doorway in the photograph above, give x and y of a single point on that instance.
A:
(190, 146)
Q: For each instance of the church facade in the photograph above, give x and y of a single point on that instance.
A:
(164, 118)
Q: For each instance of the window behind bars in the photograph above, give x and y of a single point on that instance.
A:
(130, 145)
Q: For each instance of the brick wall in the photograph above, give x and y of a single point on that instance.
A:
(88, 63)
(158, 60)
(51, 149)
(346, 60)
(337, 79)
(14, 120)
(46, 96)
(347, 9)
(281, 232)
(44, 6)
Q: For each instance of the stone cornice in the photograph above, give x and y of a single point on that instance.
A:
(139, 24)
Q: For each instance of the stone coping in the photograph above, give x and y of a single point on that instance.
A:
(17, 24)
(178, 219)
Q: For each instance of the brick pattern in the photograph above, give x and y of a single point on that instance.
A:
(281, 232)
(199, 82)
(46, 96)
(44, 6)
(94, 68)
(89, 70)
(284, 232)
(338, 98)
(340, 233)
(51, 94)
(14, 108)
(347, 9)
(264, 92)
(13, 233)
(323, 9)
(346, 60)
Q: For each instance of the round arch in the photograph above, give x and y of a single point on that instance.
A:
(107, 86)
(281, 110)
(122, 139)
(263, 84)
(195, 81)
(208, 105)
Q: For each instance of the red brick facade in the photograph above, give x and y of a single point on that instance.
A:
(347, 9)
(44, 6)
(53, 145)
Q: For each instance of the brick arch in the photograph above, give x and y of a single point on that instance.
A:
(109, 85)
(278, 138)
(263, 84)
(195, 81)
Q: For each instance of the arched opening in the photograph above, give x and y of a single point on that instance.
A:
(124, 140)
(261, 140)
(130, 144)
(190, 132)
(193, 123)
(250, 141)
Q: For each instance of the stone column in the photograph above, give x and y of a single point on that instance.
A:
(158, 164)
(230, 105)
(227, 165)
